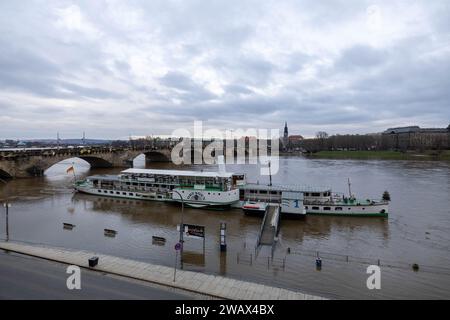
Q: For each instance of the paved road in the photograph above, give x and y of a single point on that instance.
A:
(23, 277)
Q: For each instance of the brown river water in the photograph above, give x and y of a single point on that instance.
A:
(417, 230)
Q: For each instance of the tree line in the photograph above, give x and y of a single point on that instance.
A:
(355, 142)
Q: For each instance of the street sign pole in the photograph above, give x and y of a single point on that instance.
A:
(181, 232)
(7, 221)
(7, 205)
(181, 227)
(175, 266)
(178, 247)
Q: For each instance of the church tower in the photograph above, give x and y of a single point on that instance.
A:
(286, 134)
(285, 137)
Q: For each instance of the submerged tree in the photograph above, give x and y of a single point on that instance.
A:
(386, 196)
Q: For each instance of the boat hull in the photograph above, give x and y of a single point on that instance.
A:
(253, 212)
(375, 210)
(164, 197)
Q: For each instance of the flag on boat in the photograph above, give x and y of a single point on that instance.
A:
(70, 169)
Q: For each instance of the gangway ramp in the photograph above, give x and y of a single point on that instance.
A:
(269, 226)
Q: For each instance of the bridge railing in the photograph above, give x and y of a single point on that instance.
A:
(62, 151)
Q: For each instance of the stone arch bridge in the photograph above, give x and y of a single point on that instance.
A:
(33, 162)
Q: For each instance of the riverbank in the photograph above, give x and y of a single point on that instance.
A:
(382, 155)
(217, 287)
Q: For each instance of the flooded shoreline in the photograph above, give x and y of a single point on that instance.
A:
(417, 230)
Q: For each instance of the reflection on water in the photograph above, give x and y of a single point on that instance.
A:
(417, 230)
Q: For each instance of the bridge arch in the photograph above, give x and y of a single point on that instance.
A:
(156, 156)
(96, 162)
(40, 168)
(4, 175)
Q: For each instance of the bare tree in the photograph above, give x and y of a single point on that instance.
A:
(321, 135)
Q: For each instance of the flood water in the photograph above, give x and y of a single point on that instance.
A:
(417, 230)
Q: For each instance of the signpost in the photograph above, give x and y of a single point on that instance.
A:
(193, 231)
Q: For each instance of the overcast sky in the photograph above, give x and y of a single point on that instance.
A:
(115, 68)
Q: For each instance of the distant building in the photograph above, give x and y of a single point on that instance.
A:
(400, 130)
(295, 138)
(414, 137)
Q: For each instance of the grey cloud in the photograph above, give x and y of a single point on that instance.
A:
(360, 56)
(134, 74)
(237, 89)
(190, 90)
(248, 70)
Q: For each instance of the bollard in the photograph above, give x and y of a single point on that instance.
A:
(159, 241)
(110, 232)
(415, 267)
(68, 226)
(318, 264)
(93, 262)
(223, 242)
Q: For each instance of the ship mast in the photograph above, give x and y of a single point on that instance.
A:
(349, 188)
(270, 175)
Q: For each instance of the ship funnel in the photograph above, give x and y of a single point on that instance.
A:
(221, 163)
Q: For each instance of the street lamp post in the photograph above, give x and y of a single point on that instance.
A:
(7, 206)
(181, 241)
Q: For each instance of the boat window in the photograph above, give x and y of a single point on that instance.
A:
(99, 190)
(117, 192)
(105, 191)
(263, 191)
(315, 194)
(306, 207)
(130, 194)
(338, 209)
(307, 194)
(315, 208)
(273, 192)
(327, 208)
(124, 193)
